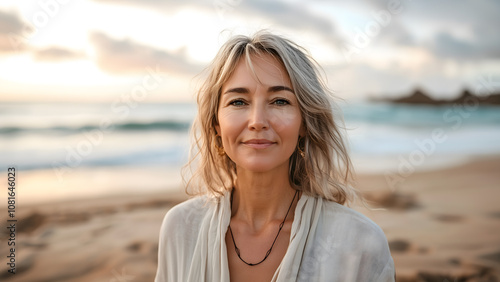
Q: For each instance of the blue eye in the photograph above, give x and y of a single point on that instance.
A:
(237, 103)
(281, 102)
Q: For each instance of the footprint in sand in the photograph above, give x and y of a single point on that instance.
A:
(495, 215)
(449, 218)
(399, 246)
(493, 257)
(396, 200)
(31, 222)
(139, 247)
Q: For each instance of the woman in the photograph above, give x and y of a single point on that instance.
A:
(275, 175)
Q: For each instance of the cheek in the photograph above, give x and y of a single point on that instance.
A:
(287, 122)
(230, 124)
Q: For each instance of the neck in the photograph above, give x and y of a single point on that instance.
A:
(260, 198)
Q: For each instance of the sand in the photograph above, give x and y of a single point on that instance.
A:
(441, 225)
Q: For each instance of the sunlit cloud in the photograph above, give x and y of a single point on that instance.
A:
(57, 54)
(127, 56)
(11, 26)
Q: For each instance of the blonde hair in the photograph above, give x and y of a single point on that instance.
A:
(325, 170)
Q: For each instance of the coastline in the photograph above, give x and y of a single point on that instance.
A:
(440, 224)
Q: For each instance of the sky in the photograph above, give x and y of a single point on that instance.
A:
(156, 50)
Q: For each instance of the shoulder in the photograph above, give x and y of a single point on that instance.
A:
(184, 216)
(192, 205)
(178, 237)
(356, 238)
(354, 230)
(336, 215)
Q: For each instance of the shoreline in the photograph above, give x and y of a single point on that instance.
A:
(440, 224)
(39, 187)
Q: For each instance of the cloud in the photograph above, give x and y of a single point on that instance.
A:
(376, 81)
(10, 22)
(397, 34)
(57, 54)
(446, 45)
(12, 32)
(127, 56)
(463, 29)
(293, 16)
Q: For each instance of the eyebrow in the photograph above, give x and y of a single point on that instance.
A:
(242, 90)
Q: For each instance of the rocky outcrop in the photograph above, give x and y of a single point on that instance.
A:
(419, 97)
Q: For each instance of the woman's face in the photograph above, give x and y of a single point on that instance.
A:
(259, 118)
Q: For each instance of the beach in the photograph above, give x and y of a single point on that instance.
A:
(108, 109)
(442, 225)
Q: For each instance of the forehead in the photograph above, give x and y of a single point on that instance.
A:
(258, 68)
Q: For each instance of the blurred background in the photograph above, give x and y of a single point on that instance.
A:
(97, 97)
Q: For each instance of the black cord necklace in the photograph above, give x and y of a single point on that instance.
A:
(269, 251)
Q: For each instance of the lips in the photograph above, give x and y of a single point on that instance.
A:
(258, 143)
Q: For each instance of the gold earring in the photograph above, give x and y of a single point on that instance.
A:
(302, 154)
(220, 149)
(300, 150)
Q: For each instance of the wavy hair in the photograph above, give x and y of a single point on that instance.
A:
(325, 170)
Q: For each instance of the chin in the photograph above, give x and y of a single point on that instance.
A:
(260, 163)
(260, 167)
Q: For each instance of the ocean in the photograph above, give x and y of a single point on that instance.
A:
(62, 140)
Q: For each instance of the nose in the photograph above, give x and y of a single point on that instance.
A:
(258, 119)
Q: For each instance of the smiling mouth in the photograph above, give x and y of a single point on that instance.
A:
(258, 143)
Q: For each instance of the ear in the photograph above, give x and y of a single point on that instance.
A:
(217, 130)
(302, 130)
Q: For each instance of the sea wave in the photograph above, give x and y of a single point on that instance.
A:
(168, 125)
(420, 115)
